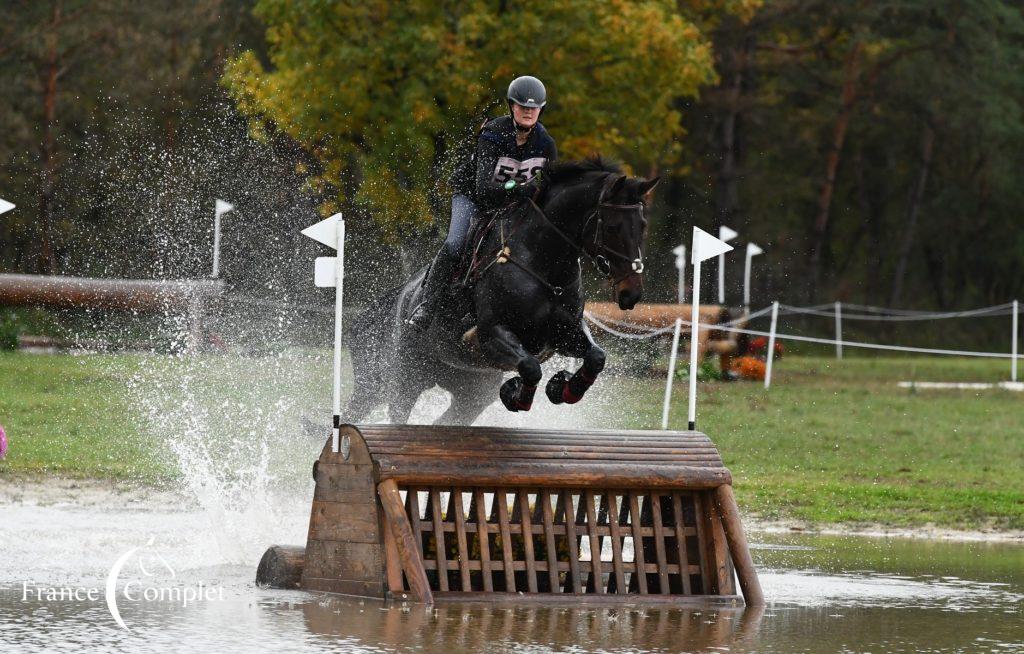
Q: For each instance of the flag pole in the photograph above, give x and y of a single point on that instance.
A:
(671, 374)
(770, 354)
(339, 278)
(694, 337)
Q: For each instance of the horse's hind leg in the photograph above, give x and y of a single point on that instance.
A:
(579, 344)
(502, 347)
(364, 399)
(407, 388)
(469, 399)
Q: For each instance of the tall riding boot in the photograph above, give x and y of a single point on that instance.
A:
(435, 287)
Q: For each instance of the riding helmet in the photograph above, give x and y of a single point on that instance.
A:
(527, 91)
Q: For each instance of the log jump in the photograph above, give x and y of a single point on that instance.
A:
(434, 514)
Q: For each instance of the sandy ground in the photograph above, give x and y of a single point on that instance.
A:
(120, 495)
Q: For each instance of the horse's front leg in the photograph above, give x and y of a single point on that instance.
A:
(579, 344)
(502, 347)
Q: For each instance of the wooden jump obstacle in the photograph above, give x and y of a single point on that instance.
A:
(477, 513)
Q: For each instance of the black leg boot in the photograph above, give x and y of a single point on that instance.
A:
(434, 289)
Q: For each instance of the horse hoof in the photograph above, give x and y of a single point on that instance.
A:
(509, 393)
(556, 386)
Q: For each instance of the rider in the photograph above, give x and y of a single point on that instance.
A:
(509, 153)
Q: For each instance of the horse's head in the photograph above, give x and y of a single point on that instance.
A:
(615, 235)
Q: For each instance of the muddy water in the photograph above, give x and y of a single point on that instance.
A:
(826, 594)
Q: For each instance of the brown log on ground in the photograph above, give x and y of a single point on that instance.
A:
(85, 292)
(738, 547)
(281, 567)
(656, 316)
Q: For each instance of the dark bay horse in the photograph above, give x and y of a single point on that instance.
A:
(524, 303)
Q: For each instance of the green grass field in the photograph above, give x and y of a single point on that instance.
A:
(838, 442)
(831, 442)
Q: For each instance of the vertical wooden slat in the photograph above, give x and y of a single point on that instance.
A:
(659, 543)
(527, 525)
(570, 537)
(723, 565)
(506, 539)
(596, 576)
(613, 528)
(483, 539)
(460, 533)
(412, 499)
(408, 552)
(442, 555)
(640, 576)
(684, 559)
(544, 497)
(707, 579)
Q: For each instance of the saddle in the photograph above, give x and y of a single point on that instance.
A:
(474, 260)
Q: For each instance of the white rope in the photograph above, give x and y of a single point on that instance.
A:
(646, 332)
(635, 337)
(811, 339)
(997, 310)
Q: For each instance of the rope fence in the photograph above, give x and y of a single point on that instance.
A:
(1009, 308)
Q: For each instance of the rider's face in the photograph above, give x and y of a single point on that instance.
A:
(525, 116)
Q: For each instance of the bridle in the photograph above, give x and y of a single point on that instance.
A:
(595, 250)
(598, 252)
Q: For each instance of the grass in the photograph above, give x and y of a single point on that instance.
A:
(831, 442)
(69, 415)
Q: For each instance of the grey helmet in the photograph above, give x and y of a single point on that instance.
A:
(527, 91)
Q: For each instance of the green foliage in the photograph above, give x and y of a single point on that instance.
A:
(708, 370)
(384, 93)
(763, 137)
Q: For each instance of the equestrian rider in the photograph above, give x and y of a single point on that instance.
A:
(510, 151)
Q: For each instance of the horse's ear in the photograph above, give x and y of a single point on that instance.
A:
(647, 186)
(615, 186)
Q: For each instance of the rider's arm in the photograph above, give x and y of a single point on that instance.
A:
(488, 191)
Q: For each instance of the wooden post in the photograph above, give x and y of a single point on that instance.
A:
(738, 547)
(394, 511)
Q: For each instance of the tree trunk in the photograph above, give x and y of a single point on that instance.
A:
(847, 102)
(727, 185)
(46, 146)
(913, 211)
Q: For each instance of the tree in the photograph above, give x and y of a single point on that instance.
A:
(385, 93)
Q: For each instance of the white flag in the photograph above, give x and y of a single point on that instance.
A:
(753, 250)
(680, 252)
(324, 274)
(5, 206)
(706, 246)
(727, 233)
(223, 207)
(325, 231)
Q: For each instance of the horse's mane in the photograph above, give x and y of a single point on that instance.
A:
(563, 171)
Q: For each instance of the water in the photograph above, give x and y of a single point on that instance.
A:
(826, 594)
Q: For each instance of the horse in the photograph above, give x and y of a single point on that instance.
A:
(523, 303)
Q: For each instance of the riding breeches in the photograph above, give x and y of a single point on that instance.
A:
(463, 216)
